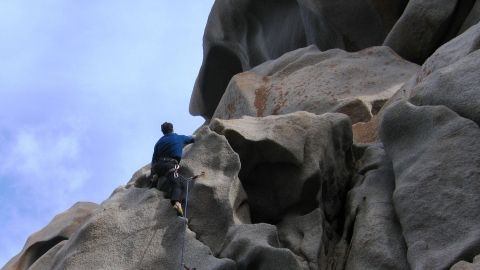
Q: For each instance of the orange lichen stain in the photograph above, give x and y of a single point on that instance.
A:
(261, 97)
(365, 132)
(279, 101)
(262, 93)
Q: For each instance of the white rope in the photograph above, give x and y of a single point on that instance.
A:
(182, 265)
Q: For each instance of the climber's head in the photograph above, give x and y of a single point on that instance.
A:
(167, 128)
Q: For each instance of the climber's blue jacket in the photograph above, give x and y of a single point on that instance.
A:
(170, 146)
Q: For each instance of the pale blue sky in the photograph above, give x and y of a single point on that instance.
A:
(84, 87)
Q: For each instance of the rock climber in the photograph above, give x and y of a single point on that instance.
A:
(165, 162)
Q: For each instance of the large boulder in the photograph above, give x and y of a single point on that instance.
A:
(456, 86)
(451, 52)
(422, 28)
(448, 77)
(436, 164)
(44, 244)
(295, 171)
(307, 79)
(218, 195)
(242, 34)
(217, 200)
(291, 163)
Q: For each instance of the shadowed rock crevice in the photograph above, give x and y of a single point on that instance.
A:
(222, 65)
(458, 18)
(377, 106)
(372, 237)
(268, 38)
(301, 193)
(275, 179)
(269, 185)
(37, 250)
(268, 188)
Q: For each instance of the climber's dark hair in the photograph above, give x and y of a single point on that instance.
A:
(167, 128)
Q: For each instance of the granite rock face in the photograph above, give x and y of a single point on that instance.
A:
(356, 84)
(257, 246)
(243, 34)
(218, 195)
(434, 153)
(423, 26)
(288, 166)
(46, 242)
(289, 182)
(449, 77)
(372, 232)
(295, 172)
(136, 228)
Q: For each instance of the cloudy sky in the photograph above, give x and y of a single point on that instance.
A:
(84, 87)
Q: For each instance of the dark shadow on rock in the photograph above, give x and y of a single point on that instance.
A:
(221, 65)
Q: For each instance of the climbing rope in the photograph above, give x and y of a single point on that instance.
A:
(176, 175)
(182, 265)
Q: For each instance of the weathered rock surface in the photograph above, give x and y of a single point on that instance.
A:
(455, 86)
(307, 79)
(449, 77)
(310, 236)
(218, 195)
(436, 162)
(463, 265)
(295, 170)
(366, 132)
(288, 189)
(422, 28)
(472, 18)
(243, 34)
(451, 52)
(45, 243)
(372, 232)
(256, 246)
(291, 163)
(135, 229)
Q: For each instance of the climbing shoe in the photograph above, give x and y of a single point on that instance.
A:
(179, 209)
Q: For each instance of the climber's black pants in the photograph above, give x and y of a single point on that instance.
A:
(177, 188)
(173, 186)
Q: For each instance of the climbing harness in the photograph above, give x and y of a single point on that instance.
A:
(182, 265)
